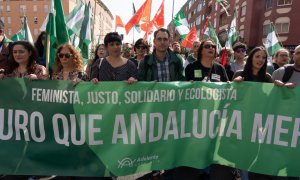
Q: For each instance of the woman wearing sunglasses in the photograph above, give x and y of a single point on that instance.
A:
(141, 48)
(23, 62)
(205, 68)
(68, 65)
(114, 67)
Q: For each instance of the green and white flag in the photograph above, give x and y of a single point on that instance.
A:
(75, 18)
(181, 24)
(27, 33)
(232, 32)
(18, 36)
(211, 33)
(85, 34)
(272, 43)
(24, 33)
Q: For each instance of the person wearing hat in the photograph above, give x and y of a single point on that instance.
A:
(4, 49)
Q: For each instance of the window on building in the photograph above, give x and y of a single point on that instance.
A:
(284, 2)
(268, 4)
(34, 8)
(209, 10)
(223, 19)
(1, 8)
(9, 20)
(46, 8)
(243, 11)
(2, 19)
(199, 7)
(22, 19)
(8, 8)
(23, 9)
(9, 31)
(266, 29)
(35, 20)
(241, 35)
(35, 31)
(282, 27)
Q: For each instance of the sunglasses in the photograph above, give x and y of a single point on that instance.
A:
(208, 46)
(1, 31)
(141, 47)
(240, 50)
(68, 55)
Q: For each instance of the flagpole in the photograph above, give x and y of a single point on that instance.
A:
(173, 10)
(133, 36)
(93, 28)
(48, 55)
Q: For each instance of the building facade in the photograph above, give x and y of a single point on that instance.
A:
(13, 11)
(254, 19)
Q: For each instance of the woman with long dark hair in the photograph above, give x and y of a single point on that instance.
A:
(255, 68)
(39, 46)
(23, 62)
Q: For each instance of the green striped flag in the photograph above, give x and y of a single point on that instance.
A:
(75, 18)
(85, 34)
(27, 33)
(181, 24)
(18, 36)
(232, 32)
(272, 43)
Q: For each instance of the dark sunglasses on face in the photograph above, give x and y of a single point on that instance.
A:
(240, 50)
(208, 46)
(68, 55)
(141, 47)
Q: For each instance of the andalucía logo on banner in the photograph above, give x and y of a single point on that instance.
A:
(128, 162)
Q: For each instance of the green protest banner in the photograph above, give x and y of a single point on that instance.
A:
(115, 129)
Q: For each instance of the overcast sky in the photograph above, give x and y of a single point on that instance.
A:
(123, 8)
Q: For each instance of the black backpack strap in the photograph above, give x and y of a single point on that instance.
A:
(288, 72)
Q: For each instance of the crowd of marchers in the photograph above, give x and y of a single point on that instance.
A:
(114, 61)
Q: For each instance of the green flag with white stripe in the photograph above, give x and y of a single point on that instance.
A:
(75, 18)
(272, 43)
(181, 24)
(232, 32)
(85, 34)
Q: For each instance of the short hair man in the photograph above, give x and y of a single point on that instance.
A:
(281, 58)
(176, 47)
(194, 55)
(162, 65)
(289, 75)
